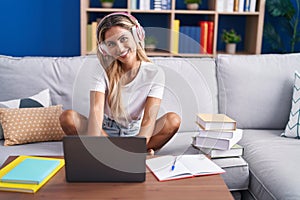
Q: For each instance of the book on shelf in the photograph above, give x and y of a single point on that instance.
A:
(218, 5)
(94, 37)
(235, 151)
(133, 4)
(189, 39)
(28, 173)
(241, 5)
(208, 121)
(150, 4)
(185, 166)
(176, 29)
(89, 38)
(228, 5)
(236, 5)
(203, 36)
(252, 6)
(210, 36)
(247, 5)
(217, 143)
(206, 36)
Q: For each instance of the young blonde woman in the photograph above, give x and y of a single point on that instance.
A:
(125, 100)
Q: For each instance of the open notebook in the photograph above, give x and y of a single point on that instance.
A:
(185, 166)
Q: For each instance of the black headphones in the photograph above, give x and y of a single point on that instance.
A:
(138, 31)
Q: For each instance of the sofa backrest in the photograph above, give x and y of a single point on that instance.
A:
(191, 88)
(191, 85)
(22, 77)
(256, 90)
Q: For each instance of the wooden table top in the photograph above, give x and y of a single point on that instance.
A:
(203, 187)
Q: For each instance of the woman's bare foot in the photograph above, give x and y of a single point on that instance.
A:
(150, 152)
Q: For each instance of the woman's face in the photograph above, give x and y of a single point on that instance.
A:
(120, 44)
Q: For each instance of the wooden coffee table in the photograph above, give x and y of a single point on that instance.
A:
(203, 187)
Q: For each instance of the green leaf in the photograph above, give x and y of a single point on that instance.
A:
(282, 8)
(273, 38)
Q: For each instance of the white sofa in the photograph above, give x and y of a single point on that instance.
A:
(255, 90)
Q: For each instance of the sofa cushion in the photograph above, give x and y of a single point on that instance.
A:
(256, 90)
(273, 163)
(42, 99)
(27, 125)
(293, 127)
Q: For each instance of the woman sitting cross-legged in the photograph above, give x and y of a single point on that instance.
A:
(126, 99)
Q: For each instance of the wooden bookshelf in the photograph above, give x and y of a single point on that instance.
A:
(252, 26)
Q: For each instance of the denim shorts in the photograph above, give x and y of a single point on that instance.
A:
(113, 129)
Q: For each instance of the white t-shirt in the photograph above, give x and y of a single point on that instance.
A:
(149, 82)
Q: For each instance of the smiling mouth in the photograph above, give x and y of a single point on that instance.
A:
(123, 54)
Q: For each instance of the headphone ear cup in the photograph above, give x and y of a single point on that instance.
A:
(138, 33)
(103, 50)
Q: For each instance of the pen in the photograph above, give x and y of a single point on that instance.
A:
(173, 166)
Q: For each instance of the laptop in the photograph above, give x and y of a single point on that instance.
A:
(105, 159)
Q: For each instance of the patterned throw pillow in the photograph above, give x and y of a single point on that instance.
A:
(42, 99)
(293, 127)
(27, 125)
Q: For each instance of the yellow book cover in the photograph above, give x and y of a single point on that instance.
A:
(94, 37)
(208, 121)
(175, 45)
(27, 188)
(89, 38)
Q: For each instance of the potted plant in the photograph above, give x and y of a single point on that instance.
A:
(150, 43)
(107, 3)
(192, 4)
(231, 38)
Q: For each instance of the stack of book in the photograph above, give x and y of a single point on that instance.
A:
(235, 5)
(28, 173)
(193, 39)
(206, 38)
(150, 4)
(218, 136)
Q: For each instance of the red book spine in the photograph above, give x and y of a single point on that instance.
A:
(203, 37)
(210, 37)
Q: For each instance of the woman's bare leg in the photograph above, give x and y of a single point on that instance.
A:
(165, 129)
(73, 123)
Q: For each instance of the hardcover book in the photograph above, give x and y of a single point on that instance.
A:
(20, 177)
(235, 151)
(31, 171)
(176, 25)
(209, 121)
(218, 133)
(218, 143)
(203, 36)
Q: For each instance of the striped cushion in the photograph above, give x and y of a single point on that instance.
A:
(293, 127)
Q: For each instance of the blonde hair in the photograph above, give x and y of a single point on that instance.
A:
(113, 67)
